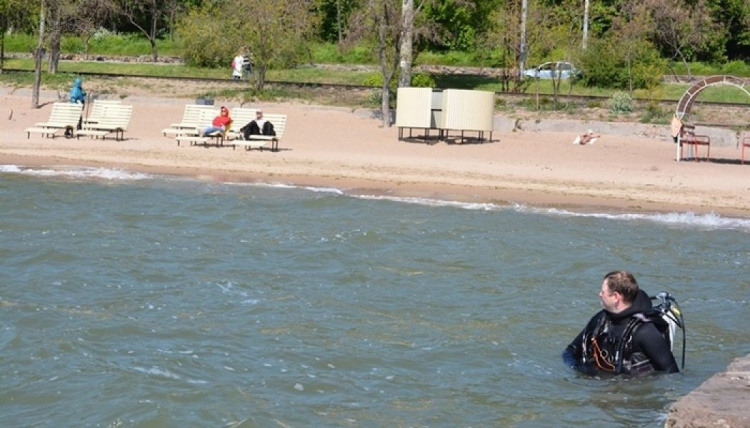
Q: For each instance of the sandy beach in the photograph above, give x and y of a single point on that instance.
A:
(347, 149)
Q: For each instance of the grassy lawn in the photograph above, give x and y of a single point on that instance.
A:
(358, 76)
(303, 74)
(326, 75)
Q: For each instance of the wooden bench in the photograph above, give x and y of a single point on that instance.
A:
(256, 141)
(64, 116)
(114, 118)
(191, 119)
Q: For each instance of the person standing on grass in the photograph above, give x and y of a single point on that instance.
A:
(238, 66)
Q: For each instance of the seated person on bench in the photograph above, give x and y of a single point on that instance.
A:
(259, 126)
(220, 123)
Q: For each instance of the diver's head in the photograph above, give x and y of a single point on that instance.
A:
(619, 289)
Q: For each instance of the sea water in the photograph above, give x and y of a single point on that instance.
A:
(140, 300)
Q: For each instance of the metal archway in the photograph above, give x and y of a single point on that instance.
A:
(686, 101)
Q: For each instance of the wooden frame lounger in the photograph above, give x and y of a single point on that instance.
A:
(63, 116)
(114, 119)
(192, 118)
(260, 141)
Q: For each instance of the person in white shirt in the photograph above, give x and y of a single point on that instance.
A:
(238, 64)
(259, 126)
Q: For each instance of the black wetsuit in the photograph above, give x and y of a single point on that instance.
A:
(601, 347)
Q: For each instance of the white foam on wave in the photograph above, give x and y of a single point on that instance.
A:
(711, 221)
(332, 190)
(9, 168)
(77, 173)
(164, 373)
(481, 206)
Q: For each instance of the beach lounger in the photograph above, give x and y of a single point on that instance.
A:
(191, 119)
(63, 116)
(256, 141)
(98, 111)
(241, 116)
(192, 135)
(115, 119)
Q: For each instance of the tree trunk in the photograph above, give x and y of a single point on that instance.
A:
(86, 43)
(585, 23)
(338, 21)
(687, 66)
(54, 49)
(2, 52)
(37, 77)
(385, 105)
(407, 16)
(154, 52)
(556, 89)
(260, 77)
(522, 47)
(38, 61)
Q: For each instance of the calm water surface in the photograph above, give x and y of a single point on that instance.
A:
(136, 300)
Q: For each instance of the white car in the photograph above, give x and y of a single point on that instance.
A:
(548, 70)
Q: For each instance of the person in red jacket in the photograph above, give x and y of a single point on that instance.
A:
(220, 123)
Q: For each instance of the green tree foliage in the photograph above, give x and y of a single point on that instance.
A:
(273, 33)
(458, 24)
(205, 40)
(734, 15)
(379, 24)
(681, 30)
(607, 65)
(150, 17)
(333, 16)
(13, 13)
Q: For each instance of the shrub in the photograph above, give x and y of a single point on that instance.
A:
(71, 44)
(736, 68)
(422, 80)
(601, 67)
(606, 64)
(621, 102)
(203, 43)
(373, 79)
(647, 71)
(654, 113)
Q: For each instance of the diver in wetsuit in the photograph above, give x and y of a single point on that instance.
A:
(620, 339)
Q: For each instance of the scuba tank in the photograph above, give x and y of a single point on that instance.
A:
(667, 316)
